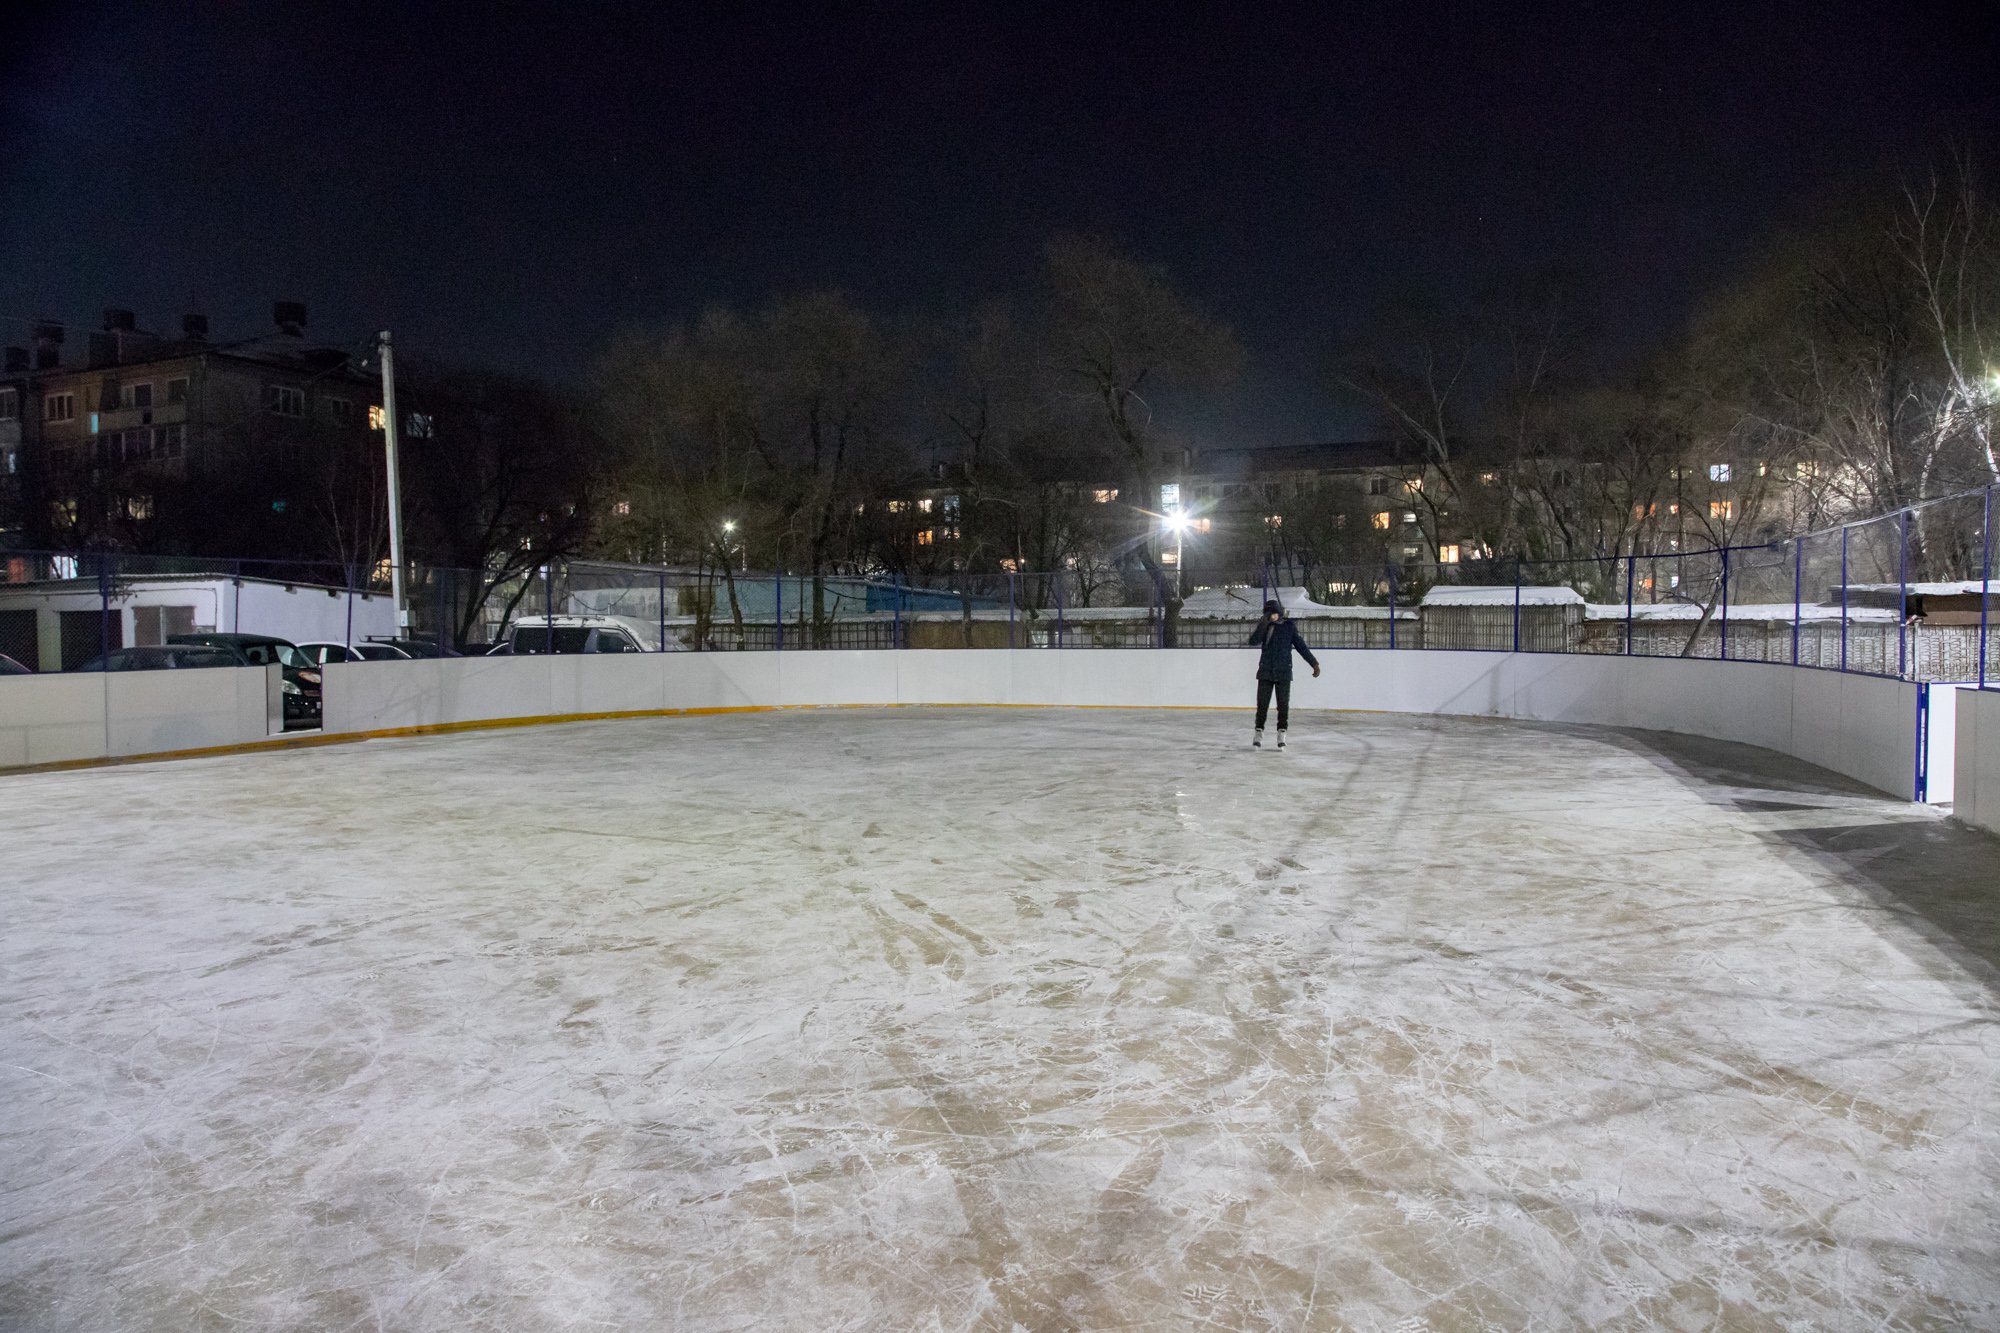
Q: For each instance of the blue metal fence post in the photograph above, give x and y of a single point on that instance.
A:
(1985, 582)
(236, 611)
(1059, 609)
(778, 606)
(1798, 591)
(1517, 603)
(1843, 598)
(549, 605)
(104, 612)
(1631, 576)
(896, 610)
(349, 569)
(1903, 596)
(1724, 647)
(1010, 610)
(1392, 606)
(663, 607)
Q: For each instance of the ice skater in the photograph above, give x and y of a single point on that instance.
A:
(1279, 638)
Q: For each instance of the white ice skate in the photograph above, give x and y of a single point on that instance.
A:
(1281, 740)
(1257, 739)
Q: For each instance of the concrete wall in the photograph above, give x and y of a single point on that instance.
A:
(1860, 726)
(1978, 759)
(49, 719)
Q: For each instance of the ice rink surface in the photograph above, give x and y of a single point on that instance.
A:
(948, 1019)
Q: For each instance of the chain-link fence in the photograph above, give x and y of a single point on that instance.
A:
(1906, 595)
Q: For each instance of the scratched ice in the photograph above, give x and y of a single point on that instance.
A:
(966, 1019)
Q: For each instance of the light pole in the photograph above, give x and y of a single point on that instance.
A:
(395, 486)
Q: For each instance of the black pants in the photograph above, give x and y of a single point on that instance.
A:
(1284, 692)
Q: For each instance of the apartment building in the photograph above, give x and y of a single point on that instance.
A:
(121, 442)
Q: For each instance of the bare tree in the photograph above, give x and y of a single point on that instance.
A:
(1116, 332)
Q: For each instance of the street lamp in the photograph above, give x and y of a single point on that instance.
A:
(1175, 523)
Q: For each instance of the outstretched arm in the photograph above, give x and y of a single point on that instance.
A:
(1299, 643)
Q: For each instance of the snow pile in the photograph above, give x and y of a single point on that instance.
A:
(1237, 601)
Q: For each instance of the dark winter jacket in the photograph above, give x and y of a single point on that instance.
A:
(1279, 642)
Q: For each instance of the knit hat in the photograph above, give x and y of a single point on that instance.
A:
(1271, 608)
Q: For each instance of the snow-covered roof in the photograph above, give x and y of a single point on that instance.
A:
(1747, 611)
(1503, 595)
(1949, 589)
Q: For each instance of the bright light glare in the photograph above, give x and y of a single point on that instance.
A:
(1176, 523)
(729, 525)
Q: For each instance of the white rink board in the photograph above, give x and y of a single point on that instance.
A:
(71, 717)
(1977, 762)
(1860, 726)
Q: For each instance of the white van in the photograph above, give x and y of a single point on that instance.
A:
(575, 634)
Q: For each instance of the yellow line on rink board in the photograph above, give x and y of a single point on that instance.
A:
(314, 739)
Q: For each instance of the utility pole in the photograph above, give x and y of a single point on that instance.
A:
(395, 483)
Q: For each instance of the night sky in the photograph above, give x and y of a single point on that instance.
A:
(511, 189)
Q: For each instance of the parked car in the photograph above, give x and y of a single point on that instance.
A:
(163, 657)
(568, 634)
(322, 653)
(302, 676)
(9, 667)
(416, 647)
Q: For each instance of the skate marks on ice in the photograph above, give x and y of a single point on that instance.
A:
(970, 1020)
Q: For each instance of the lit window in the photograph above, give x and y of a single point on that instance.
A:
(1673, 580)
(924, 505)
(1169, 557)
(1488, 478)
(927, 537)
(1718, 472)
(139, 508)
(135, 397)
(1170, 496)
(1201, 525)
(285, 401)
(1413, 485)
(1104, 495)
(1673, 509)
(1381, 522)
(376, 417)
(1646, 585)
(1448, 555)
(1412, 552)
(1409, 517)
(1011, 565)
(622, 508)
(59, 407)
(1274, 521)
(1721, 508)
(898, 506)
(177, 390)
(1808, 469)
(1763, 469)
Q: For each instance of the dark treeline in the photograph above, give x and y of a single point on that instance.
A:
(1849, 371)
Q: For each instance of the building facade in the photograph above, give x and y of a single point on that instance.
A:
(138, 441)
